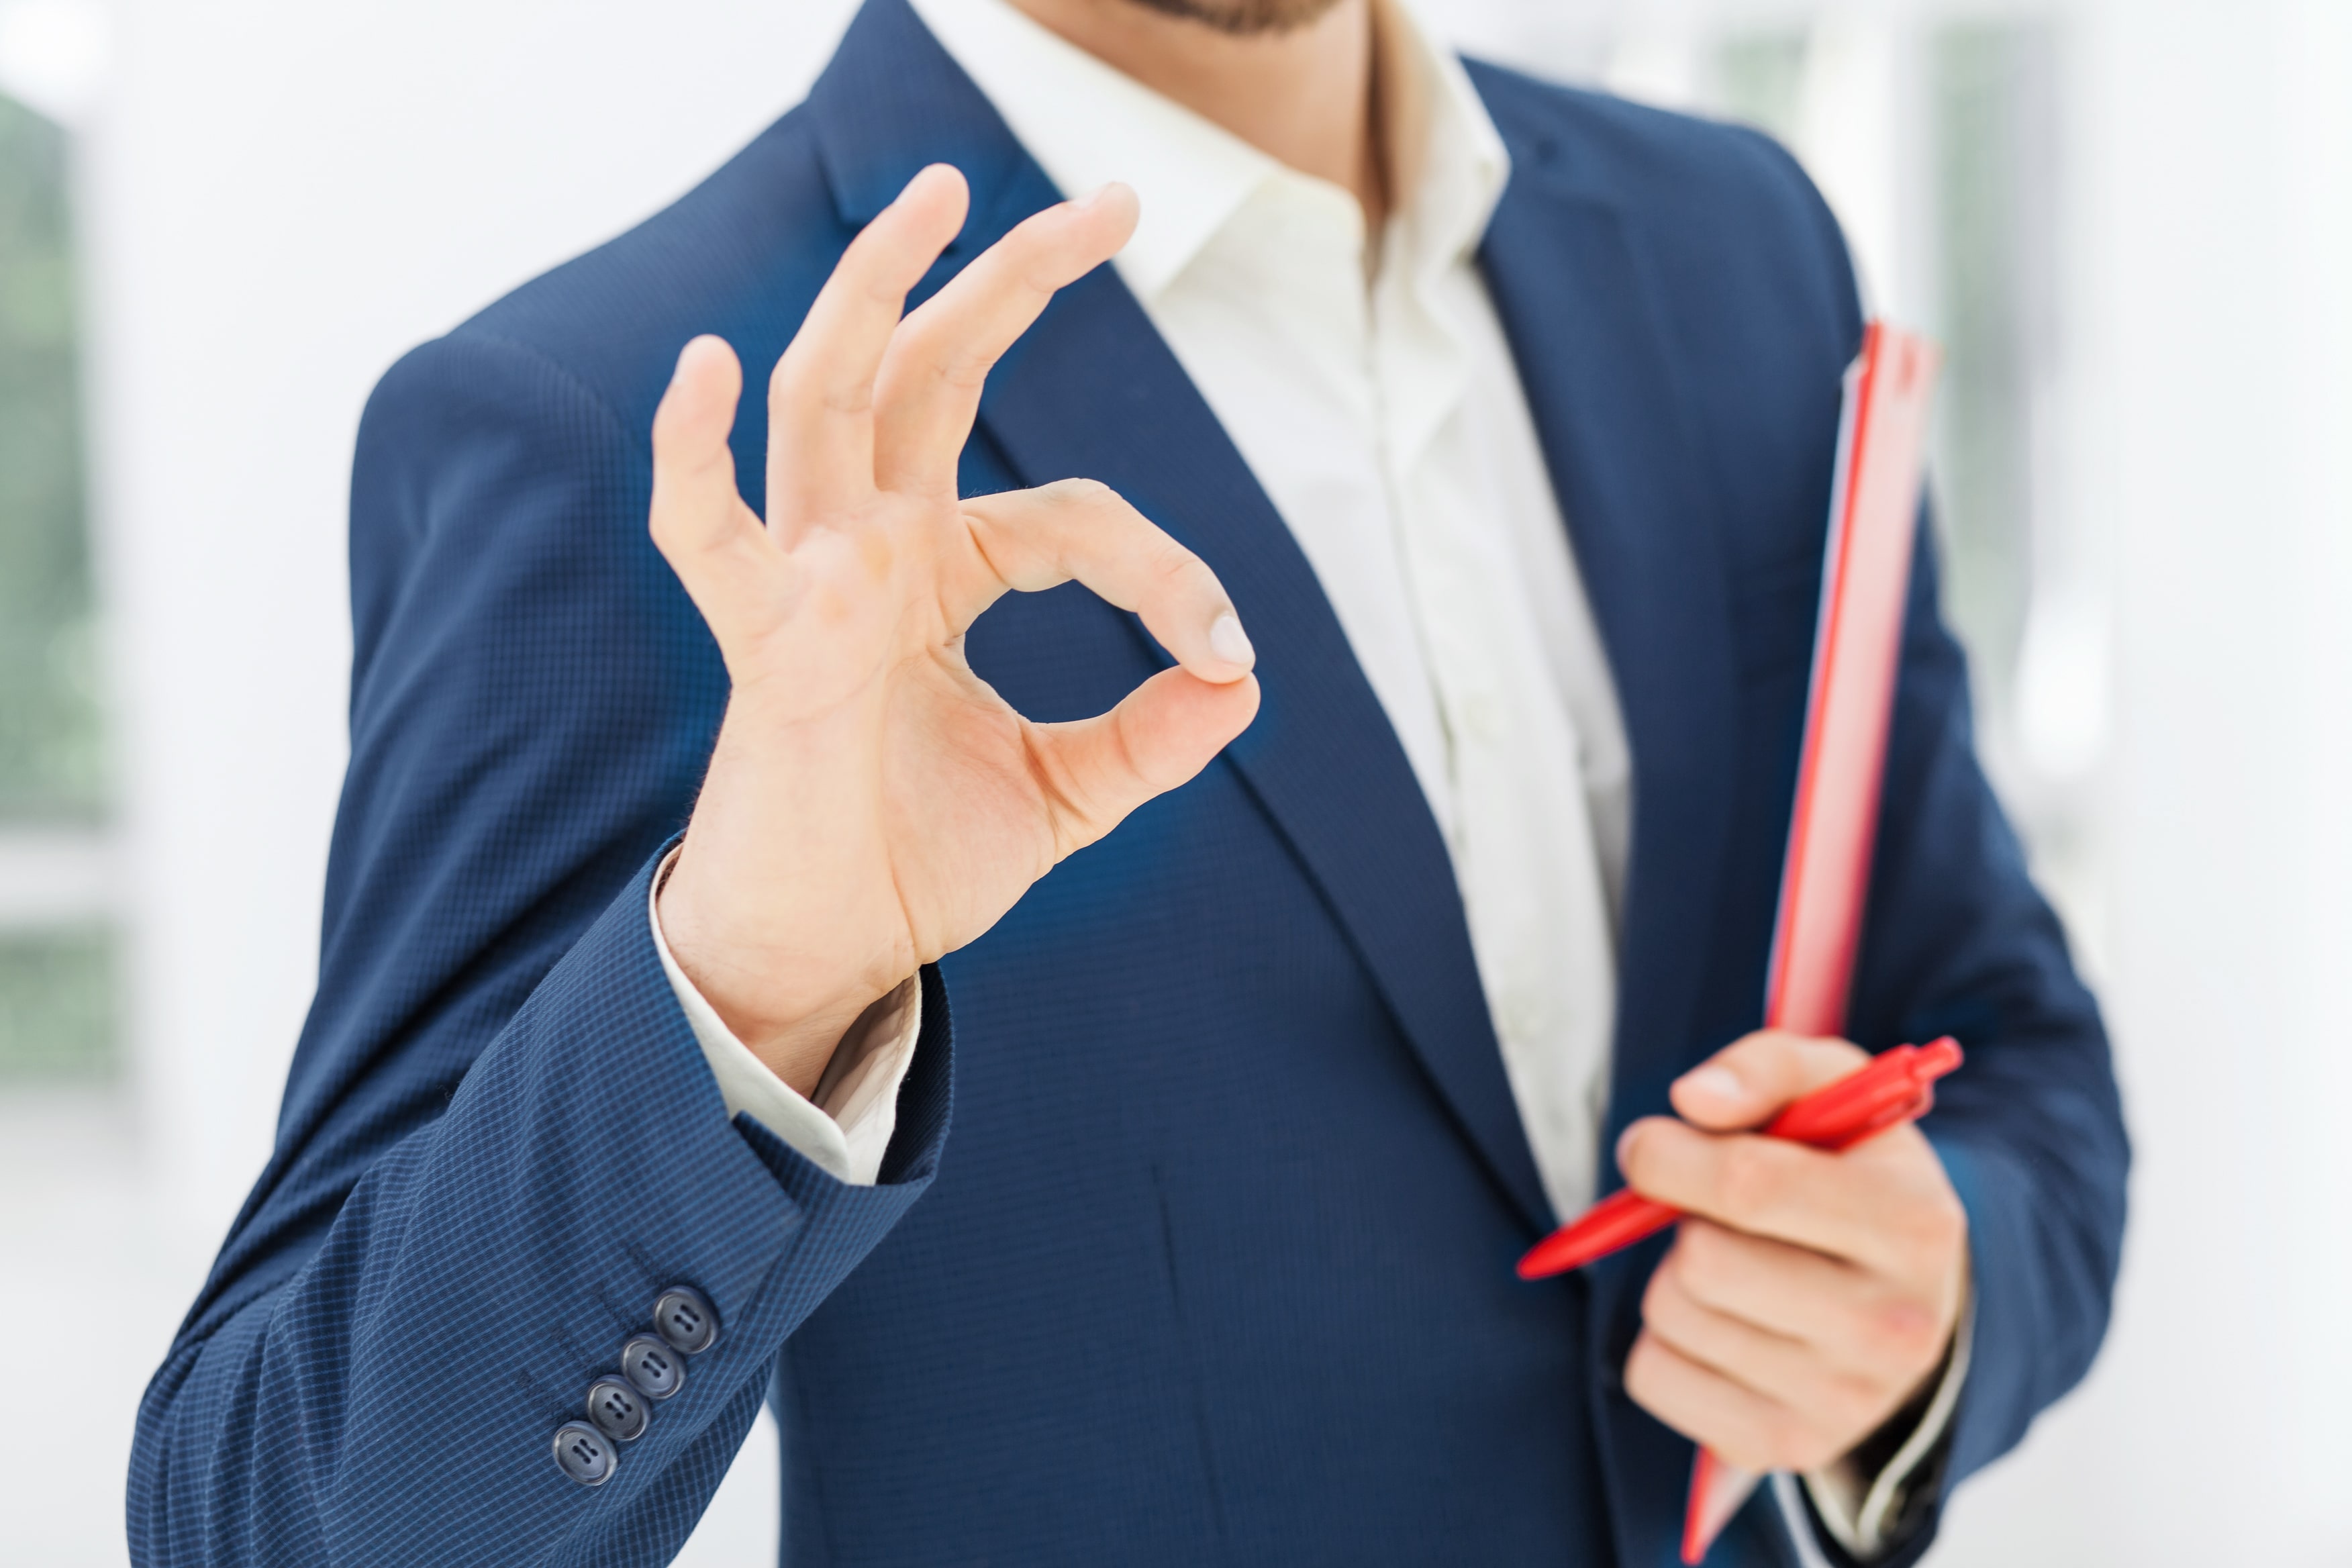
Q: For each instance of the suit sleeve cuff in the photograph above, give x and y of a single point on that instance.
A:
(1860, 1511)
(846, 1128)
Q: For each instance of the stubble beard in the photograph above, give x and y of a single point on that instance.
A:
(1244, 19)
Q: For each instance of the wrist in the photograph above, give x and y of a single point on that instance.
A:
(792, 1024)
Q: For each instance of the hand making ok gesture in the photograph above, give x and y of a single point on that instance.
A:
(872, 804)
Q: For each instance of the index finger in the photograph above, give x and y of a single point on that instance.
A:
(1868, 1204)
(1078, 529)
(927, 393)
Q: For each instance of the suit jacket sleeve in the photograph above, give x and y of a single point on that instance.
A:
(2030, 1131)
(1957, 940)
(500, 1140)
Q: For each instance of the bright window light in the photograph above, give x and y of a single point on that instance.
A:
(52, 53)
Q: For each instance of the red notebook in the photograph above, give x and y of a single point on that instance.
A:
(1865, 582)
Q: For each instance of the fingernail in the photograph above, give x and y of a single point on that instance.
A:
(1625, 1144)
(1229, 642)
(1715, 1082)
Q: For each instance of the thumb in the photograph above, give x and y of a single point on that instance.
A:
(1753, 1080)
(1161, 733)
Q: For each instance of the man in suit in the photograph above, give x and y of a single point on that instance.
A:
(1316, 701)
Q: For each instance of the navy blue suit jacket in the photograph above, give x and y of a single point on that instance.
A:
(1217, 1268)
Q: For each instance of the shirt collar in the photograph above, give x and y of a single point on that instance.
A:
(1088, 124)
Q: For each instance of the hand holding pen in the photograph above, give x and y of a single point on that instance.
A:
(1898, 1086)
(1811, 1295)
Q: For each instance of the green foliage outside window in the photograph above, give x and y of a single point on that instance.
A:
(1988, 89)
(1759, 79)
(57, 1005)
(56, 983)
(51, 765)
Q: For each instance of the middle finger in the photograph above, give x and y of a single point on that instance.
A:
(1786, 1371)
(1779, 1289)
(927, 390)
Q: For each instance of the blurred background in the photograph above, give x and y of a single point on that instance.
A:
(2130, 220)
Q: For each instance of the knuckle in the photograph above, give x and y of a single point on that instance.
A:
(1660, 1300)
(802, 384)
(1751, 1179)
(882, 290)
(967, 370)
(1704, 1263)
(945, 350)
(1908, 1334)
(1172, 565)
(847, 397)
(1077, 493)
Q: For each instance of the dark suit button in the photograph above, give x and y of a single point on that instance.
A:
(656, 1370)
(581, 1453)
(616, 1408)
(684, 1319)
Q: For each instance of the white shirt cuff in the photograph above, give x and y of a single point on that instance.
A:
(845, 1129)
(1858, 1511)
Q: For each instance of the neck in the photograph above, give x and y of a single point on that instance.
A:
(1304, 95)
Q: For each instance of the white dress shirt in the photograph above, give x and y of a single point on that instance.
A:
(845, 1128)
(1375, 399)
(1378, 409)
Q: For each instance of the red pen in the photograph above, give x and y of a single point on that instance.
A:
(1893, 1087)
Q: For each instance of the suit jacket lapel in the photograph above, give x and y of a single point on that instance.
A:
(1594, 357)
(1093, 392)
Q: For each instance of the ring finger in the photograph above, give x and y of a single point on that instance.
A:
(1780, 1288)
(1786, 1371)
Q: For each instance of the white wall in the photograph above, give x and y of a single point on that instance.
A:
(2212, 293)
(280, 196)
(284, 195)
